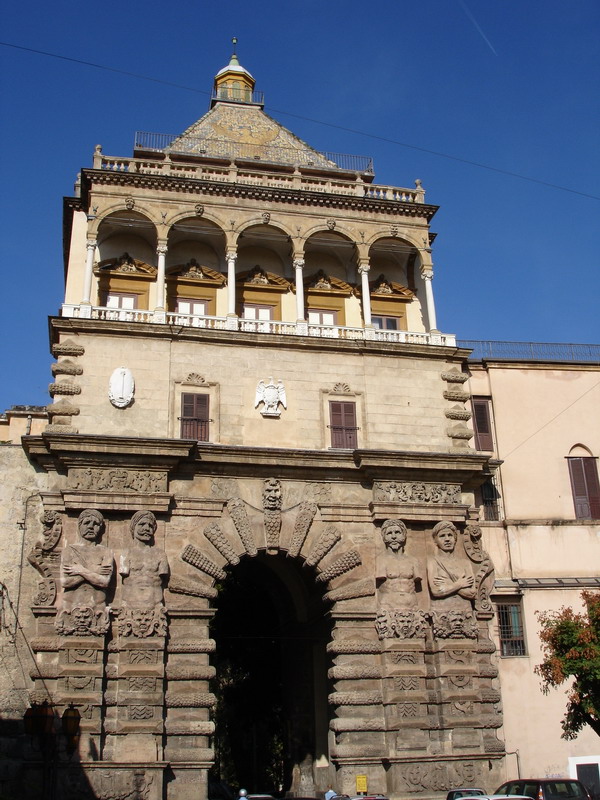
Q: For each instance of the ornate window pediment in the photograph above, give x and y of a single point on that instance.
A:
(193, 271)
(126, 265)
(382, 287)
(321, 282)
(259, 278)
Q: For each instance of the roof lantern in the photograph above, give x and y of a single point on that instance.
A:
(234, 83)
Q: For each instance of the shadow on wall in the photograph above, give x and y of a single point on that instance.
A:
(39, 766)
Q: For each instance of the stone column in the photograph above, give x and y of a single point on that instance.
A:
(427, 275)
(301, 324)
(363, 269)
(231, 315)
(87, 277)
(161, 251)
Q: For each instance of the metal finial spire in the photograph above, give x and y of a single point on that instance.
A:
(234, 40)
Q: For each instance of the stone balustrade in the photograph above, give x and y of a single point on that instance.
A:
(256, 326)
(257, 177)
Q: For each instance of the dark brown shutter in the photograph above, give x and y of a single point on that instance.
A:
(482, 424)
(343, 424)
(590, 468)
(586, 490)
(194, 416)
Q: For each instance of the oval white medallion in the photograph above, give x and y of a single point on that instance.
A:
(121, 387)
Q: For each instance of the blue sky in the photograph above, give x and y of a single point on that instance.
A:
(509, 84)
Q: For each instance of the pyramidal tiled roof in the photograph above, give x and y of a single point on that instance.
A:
(238, 130)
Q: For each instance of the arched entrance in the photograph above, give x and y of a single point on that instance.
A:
(271, 629)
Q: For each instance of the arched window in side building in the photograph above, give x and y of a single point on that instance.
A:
(583, 471)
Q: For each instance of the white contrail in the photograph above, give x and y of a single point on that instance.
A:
(477, 26)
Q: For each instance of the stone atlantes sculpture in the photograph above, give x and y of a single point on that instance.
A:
(396, 576)
(85, 574)
(452, 587)
(144, 568)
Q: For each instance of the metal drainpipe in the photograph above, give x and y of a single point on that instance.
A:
(516, 753)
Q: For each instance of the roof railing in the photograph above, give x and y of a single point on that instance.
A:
(531, 351)
(220, 148)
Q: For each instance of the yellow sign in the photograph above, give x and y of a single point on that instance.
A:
(361, 784)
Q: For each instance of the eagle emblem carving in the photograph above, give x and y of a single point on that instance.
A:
(272, 395)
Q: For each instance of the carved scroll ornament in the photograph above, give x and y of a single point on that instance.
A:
(43, 559)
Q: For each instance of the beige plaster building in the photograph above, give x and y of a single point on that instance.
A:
(247, 545)
(536, 410)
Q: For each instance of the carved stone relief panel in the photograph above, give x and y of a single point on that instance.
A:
(86, 571)
(145, 571)
(123, 480)
(409, 492)
(46, 559)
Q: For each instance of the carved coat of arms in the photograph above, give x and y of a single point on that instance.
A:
(272, 395)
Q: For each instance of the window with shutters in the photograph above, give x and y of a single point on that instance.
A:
(510, 628)
(482, 423)
(342, 422)
(585, 486)
(194, 416)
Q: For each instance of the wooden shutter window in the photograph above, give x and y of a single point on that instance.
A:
(482, 424)
(585, 487)
(194, 416)
(342, 416)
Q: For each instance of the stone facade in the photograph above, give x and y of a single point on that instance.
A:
(329, 472)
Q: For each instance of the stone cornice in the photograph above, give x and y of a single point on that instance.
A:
(61, 452)
(263, 193)
(80, 325)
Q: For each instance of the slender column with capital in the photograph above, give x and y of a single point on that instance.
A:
(299, 268)
(427, 275)
(231, 259)
(87, 278)
(366, 292)
(232, 320)
(161, 251)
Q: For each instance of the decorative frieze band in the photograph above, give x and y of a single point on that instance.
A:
(406, 492)
(122, 480)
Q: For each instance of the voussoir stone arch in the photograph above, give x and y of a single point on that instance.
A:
(409, 237)
(189, 214)
(119, 208)
(341, 230)
(258, 221)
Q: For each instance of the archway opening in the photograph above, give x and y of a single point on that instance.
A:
(271, 629)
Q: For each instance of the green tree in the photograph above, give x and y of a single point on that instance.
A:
(571, 649)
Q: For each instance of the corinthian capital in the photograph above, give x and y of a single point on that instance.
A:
(299, 263)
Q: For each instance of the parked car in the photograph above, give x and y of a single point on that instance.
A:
(545, 789)
(464, 791)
